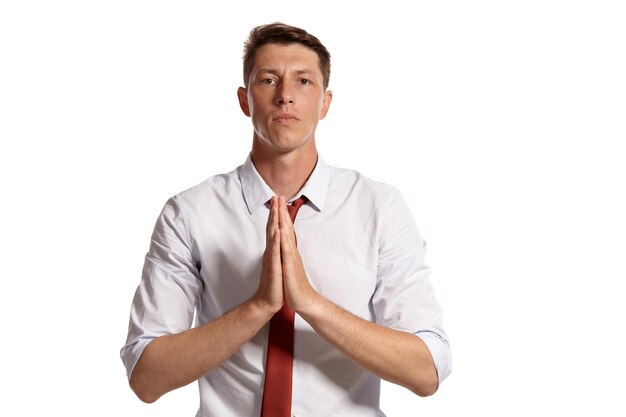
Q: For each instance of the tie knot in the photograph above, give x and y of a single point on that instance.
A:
(295, 206)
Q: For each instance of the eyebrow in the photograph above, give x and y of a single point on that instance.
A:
(275, 72)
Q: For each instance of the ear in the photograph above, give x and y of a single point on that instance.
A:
(242, 95)
(328, 97)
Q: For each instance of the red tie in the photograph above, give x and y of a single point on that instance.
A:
(279, 365)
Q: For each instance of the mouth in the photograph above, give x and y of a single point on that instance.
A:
(285, 118)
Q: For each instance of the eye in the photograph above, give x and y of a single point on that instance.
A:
(268, 81)
(304, 81)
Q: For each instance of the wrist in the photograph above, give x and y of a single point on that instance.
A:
(261, 309)
(313, 308)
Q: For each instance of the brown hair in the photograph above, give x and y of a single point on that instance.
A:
(283, 34)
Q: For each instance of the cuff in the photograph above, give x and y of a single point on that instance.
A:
(440, 351)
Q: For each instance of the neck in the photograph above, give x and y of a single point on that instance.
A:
(285, 173)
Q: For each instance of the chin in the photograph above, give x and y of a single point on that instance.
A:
(287, 144)
(284, 143)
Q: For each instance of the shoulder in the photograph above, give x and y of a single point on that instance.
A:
(211, 187)
(355, 182)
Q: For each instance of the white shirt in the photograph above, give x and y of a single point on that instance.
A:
(361, 250)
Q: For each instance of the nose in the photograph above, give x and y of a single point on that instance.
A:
(284, 95)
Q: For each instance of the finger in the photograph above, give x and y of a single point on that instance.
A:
(271, 282)
(282, 203)
(285, 219)
(274, 216)
(275, 273)
(291, 265)
(288, 246)
(275, 245)
(286, 252)
(272, 221)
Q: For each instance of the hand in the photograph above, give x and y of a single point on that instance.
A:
(299, 294)
(269, 293)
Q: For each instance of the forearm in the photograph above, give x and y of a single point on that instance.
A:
(172, 361)
(396, 356)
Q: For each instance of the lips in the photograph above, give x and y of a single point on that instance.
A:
(285, 117)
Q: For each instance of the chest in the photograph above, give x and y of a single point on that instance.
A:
(339, 253)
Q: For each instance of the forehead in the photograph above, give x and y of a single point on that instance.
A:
(275, 56)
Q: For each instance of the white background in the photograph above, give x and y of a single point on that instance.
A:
(502, 123)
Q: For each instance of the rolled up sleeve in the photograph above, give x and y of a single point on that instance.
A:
(404, 298)
(165, 300)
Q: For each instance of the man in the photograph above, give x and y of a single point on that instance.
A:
(349, 275)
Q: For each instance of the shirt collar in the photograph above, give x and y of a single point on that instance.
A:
(256, 192)
(316, 187)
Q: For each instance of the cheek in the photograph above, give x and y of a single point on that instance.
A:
(316, 107)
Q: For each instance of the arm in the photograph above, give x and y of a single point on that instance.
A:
(174, 360)
(394, 355)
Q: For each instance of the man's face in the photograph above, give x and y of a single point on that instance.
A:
(285, 97)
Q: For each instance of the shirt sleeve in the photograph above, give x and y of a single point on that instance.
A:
(165, 300)
(404, 298)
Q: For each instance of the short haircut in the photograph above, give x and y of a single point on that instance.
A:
(283, 34)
